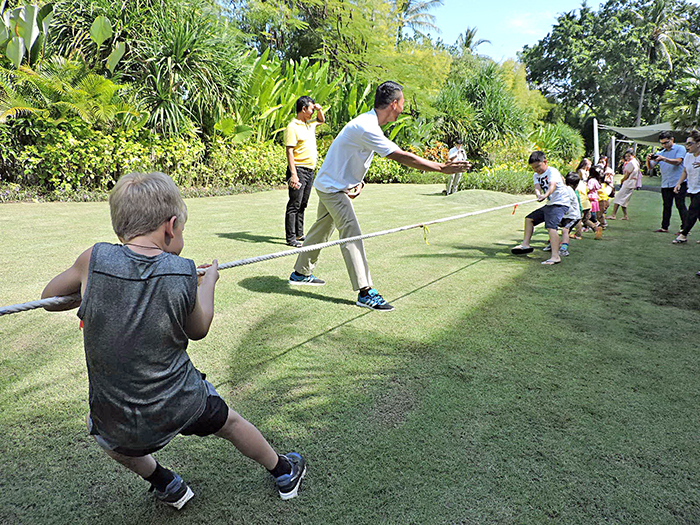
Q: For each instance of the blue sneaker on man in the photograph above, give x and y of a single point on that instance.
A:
(288, 484)
(176, 494)
(373, 301)
(309, 280)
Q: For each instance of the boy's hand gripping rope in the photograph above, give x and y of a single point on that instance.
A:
(56, 301)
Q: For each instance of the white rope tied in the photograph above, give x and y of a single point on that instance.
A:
(56, 301)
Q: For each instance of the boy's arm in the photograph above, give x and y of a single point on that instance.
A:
(68, 282)
(538, 191)
(550, 190)
(199, 321)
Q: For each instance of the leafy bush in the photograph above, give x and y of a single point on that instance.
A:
(75, 156)
(385, 170)
(512, 151)
(507, 178)
(480, 108)
(254, 164)
(559, 142)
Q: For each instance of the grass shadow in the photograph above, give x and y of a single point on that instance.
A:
(246, 236)
(273, 284)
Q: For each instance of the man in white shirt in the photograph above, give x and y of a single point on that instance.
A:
(456, 153)
(548, 185)
(340, 180)
(690, 179)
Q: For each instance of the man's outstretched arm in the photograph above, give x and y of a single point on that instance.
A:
(414, 161)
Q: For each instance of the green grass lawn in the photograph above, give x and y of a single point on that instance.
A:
(499, 391)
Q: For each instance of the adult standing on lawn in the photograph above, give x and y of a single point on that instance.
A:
(691, 176)
(670, 162)
(631, 175)
(456, 153)
(340, 180)
(300, 143)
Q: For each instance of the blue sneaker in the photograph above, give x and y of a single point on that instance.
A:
(309, 280)
(374, 301)
(176, 494)
(288, 484)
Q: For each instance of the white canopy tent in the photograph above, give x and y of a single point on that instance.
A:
(647, 135)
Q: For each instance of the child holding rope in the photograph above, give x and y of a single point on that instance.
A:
(572, 217)
(549, 186)
(141, 304)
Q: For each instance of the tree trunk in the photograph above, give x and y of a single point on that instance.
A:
(641, 103)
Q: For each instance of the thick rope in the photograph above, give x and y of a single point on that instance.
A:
(56, 301)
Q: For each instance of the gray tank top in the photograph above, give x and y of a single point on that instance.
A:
(143, 387)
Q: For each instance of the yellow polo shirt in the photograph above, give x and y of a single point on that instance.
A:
(302, 137)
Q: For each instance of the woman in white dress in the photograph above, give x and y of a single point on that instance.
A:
(632, 177)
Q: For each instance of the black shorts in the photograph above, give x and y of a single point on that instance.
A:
(210, 422)
(212, 419)
(569, 224)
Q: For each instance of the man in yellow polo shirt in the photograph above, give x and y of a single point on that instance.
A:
(300, 143)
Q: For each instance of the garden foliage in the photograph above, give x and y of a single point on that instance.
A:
(203, 90)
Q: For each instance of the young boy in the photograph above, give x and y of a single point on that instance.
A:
(548, 185)
(572, 217)
(141, 304)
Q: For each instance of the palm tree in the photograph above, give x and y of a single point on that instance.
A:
(682, 103)
(413, 14)
(60, 89)
(467, 41)
(667, 36)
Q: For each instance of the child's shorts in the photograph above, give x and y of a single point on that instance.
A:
(551, 215)
(569, 224)
(210, 422)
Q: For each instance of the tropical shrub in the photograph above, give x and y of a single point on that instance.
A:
(559, 142)
(61, 90)
(273, 87)
(479, 108)
(182, 59)
(508, 178)
(512, 151)
(259, 164)
(77, 156)
(23, 32)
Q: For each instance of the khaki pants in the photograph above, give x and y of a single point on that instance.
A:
(335, 211)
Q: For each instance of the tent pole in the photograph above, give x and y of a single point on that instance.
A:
(612, 153)
(596, 150)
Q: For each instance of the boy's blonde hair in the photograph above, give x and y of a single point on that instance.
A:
(141, 202)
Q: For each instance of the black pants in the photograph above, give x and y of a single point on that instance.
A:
(298, 199)
(693, 213)
(668, 196)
